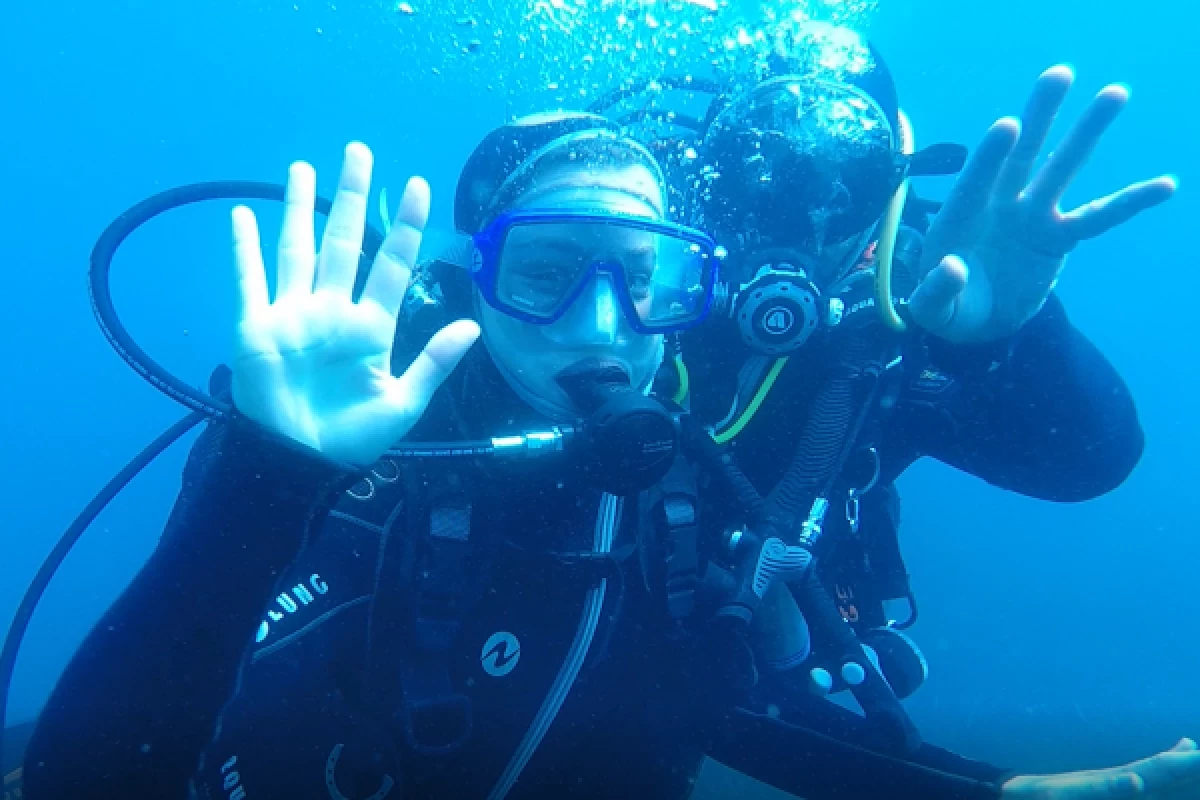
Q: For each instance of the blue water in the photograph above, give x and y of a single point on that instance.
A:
(1059, 636)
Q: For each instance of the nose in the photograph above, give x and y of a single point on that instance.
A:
(595, 318)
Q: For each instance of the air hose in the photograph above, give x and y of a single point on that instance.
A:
(114, 235)
(203, 405)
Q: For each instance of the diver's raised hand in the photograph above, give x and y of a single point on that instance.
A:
(1171, 775)
(314, 365)
(995, 250)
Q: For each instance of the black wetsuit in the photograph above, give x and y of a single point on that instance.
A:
(1042, 413)
(164, 697)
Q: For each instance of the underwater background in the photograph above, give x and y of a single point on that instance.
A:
(1059, 636)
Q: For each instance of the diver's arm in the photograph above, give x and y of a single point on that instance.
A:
(139, 699)
(813, 765)
(1042, 413)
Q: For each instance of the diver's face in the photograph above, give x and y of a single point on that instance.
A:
(594, 325)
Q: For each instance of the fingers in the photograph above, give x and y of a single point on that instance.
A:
(297, 246)
(342, 242)
(1180, 764)
(974, 187)
(413, 390)
(935, 301)
(1073, 152)
(251, 272)
(1102, 215)
(1043, 105)
(393, 265)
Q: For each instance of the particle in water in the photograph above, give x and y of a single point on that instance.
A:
(406, 8)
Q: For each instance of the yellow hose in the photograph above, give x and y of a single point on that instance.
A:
(684, 381)
(742, 421)
(887, 237)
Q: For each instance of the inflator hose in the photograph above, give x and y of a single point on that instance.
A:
(829, 632)
(826, 435)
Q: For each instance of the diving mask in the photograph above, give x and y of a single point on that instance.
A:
(532, 265)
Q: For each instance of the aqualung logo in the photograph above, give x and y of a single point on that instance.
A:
(290, 602)
(231, 780)
(500, 654)
(778, 320)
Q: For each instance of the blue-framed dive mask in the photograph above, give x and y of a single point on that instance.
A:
(532, 265)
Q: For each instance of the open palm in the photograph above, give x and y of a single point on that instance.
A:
(995, 250)
(313, 364)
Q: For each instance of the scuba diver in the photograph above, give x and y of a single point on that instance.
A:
(824, 391)
(490, 609)
(327, 613)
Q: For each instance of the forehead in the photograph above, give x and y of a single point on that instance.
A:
(631, 189)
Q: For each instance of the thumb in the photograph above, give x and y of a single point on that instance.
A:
(413, 390)
(935, 302)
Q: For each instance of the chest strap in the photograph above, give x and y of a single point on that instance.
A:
(428, 580)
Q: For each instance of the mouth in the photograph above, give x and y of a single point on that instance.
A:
(599, 369)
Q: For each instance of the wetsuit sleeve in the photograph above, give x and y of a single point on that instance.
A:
(816, 766)
(139, 699)
(1043, 413)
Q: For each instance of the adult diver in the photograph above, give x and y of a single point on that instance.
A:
(481, 630)
(419, 629)
(825, 392)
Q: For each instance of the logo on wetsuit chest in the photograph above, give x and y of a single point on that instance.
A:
(291, 601)
(500, 654)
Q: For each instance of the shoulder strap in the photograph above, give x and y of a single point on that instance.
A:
(426, 583)
(669, 538)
